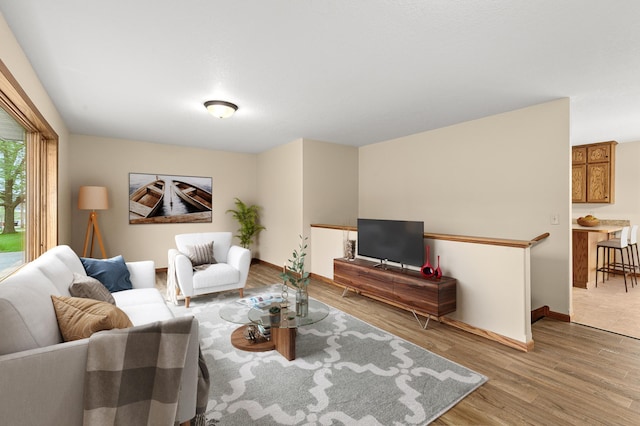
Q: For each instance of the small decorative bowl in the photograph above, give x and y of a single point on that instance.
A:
(587, 222)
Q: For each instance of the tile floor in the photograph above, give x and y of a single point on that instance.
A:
(608, 307)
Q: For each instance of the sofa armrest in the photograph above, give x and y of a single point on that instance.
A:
(39, 385)
(43, 384)
(143, 273)
(184, 271)
(240, 258)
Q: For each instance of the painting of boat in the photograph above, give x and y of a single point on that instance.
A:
(146, 200)
(156, 198)
(193, 195)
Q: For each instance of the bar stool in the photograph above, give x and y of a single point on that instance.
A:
(617, 244)
(634, 258)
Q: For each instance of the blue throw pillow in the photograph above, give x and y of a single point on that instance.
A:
(112, 273)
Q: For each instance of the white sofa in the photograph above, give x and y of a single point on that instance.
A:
(229, 273)
(42, 377)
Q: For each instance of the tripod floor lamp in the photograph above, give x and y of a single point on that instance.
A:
(93, 198)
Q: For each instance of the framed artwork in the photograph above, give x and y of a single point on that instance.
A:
(169, 199)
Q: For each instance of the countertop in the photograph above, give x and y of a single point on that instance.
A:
(600, 228)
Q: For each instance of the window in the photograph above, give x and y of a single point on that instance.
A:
(36, 214)
(12, 193)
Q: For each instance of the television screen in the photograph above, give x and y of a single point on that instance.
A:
(397, 241)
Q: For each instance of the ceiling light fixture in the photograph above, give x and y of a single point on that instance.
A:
(220, 109)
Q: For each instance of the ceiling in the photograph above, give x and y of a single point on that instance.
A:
(351, 72)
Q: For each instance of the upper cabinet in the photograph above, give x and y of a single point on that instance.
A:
(593, 173)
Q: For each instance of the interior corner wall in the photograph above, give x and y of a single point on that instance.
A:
(501, 176)
(301, 183)
(330, 183)
(279, 188)
(330, 186)
(108, 162)
(18, 64)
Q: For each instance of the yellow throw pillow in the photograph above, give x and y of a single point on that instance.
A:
(79, 318)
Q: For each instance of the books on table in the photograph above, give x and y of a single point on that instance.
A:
(262, 301)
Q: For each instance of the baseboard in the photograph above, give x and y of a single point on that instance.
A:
(544, 311)
(507, 341)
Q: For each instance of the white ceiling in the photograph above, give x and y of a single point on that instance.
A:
(351, 72)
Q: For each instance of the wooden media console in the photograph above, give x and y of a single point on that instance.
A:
(404, 288)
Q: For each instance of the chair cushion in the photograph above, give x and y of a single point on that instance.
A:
(215, 275)
(113, 273)
(90, 288)
(78, 318)
(201, 254)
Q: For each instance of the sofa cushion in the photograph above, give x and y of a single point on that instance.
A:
(143, 305)
(201, 254)
(90, 288)
(215, 275)
(113, 273)
(78, 318)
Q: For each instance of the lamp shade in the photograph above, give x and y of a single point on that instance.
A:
(220, 109)
(93, 198)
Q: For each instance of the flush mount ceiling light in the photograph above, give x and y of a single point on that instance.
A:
(220, 109)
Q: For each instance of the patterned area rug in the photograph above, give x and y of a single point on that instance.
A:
(346, 372)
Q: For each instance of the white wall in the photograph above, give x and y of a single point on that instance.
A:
(18, 64)
(500, 176)
(108, 162)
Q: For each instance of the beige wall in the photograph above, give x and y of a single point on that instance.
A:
(14, 58)
(330, 183)
(500, 176)
(280, 194)
(627, 205)
(108, 162)
(301, 183)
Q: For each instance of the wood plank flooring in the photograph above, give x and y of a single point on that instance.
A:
(575, 375)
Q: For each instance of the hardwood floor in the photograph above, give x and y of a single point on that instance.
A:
(575, 375)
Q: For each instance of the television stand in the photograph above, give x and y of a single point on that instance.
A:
(404, 288)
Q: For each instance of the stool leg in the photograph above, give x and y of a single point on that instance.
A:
(624, 271)
(608, 261)
(636, 264)
(637, 259)
(632, 261)
(598, 269)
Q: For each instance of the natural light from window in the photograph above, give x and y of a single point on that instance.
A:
(12, 194)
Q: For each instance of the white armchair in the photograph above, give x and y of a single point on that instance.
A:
(228, 273)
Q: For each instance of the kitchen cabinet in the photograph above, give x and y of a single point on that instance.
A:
(593, 173)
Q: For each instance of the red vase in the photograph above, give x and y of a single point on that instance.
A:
(427, 270)
(438, 271)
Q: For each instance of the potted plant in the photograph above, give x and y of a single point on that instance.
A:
(274, 315)
(247, 217)
(295, 275)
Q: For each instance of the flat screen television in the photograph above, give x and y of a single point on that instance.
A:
(399, 241)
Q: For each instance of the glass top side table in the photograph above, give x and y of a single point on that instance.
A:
(283, 332)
